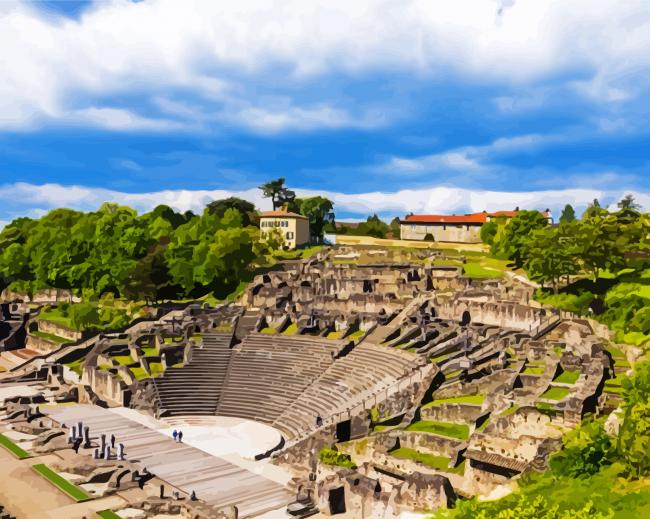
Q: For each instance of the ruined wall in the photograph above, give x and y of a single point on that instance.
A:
(57, 329)
(456, 413)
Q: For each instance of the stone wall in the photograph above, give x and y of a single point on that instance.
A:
(441, 232)
(456, 413)
(57, 329)
(52, 295)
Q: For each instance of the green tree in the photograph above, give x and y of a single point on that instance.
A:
(319, 211)
(373, 226)
(279, 194)
(549, 255)
(568, 214)
(245, 209)
(516, 233)
(600, 244)
(396, 228)
(628, 203)
(634, 434)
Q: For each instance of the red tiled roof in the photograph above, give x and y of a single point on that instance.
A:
(281, 213)
(463, 218)
(447, 218)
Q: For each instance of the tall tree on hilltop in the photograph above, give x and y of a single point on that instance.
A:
(278, 193)
(319, 211)
(628, 203)
(568, 214)
(244, 207)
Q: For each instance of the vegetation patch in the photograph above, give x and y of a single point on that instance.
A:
(430, 460)
(17, 451)
(156, 369)
(450, 430)
(123, 360)
(534, 370)
(555, 393)
(336, 458)
(61, 483)
(268, 330)
(465, 399)
(567, 377)
(108, 514)
(139, 372)
(476, 270)
(511, 410)
(292, 329)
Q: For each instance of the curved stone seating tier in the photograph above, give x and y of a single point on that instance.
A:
(268, 372)
(363, 373)
(195, 388)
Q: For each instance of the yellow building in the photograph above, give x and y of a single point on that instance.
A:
(294, 227)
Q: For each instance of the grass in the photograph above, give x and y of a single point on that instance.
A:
(482, 427)
(555, 393)
(466, 399)
(55, 316)
(533, 370)
(150, 351)
(17, 451)
(61, 483)
(430, 460)
(269, 330)
(123, 360)
(76, 365)
(108, 514)
(568, 377)
(453, 374)
(334, 335)
(477, 270)
(156, 369)
(291, 329)
(450, 430)
(139, 373)
(441, 357)
(50, 337)
(355, 335)
(511, 410)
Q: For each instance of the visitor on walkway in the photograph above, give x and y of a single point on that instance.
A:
(174, 434)
(180, 436)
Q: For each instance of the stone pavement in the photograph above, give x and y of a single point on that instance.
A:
(214, 480)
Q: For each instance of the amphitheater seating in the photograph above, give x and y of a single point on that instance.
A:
(365, 371)
(268, 372)
(195, 388)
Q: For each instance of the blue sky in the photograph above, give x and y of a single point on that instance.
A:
(385, 106)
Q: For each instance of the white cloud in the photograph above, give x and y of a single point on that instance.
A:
(55, 67)
(34, 200)
(469, 159)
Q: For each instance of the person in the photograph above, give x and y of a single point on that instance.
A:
(112, 441)
(174, 434)
(180, 436)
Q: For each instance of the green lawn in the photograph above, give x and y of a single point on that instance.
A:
(268, 330)
(55, 316)
(20, 453)
(156, 369)
(511, 410)
(108, 514)
(555, 393)
(123, 360)
(334, 335)
(430, 460)
(567, 377)
(466, 399)
(533, 370)
(50, 337)
(61, 483)
(139, 373)
(150, 352)
(481, 270)
(354, 336)
(291, 329)
(450, 430)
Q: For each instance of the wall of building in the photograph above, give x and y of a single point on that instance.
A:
(441, 232)
(294, 230)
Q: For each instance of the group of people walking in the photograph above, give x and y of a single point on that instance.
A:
(178, 436)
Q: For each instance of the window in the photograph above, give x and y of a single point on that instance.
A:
(289, 235)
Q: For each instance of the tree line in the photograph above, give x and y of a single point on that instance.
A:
(162, 254)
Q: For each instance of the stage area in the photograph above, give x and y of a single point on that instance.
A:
(188, 468)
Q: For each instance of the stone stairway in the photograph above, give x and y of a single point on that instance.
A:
(195, 388)
(246, 323)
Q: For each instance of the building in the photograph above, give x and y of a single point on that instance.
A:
(294, 227)
(451, 228)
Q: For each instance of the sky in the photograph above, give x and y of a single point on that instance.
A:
(387, 107)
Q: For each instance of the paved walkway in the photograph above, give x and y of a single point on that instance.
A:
(214, 480)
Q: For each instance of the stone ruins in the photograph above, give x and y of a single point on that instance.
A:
(396, 382)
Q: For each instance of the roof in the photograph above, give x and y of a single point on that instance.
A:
(281, 213)
(472, 218)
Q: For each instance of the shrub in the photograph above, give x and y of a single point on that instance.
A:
(336, 458)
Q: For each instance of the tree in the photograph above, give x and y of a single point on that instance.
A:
(244, 207)
(593, 209)
(278, 193)
(634, 435)
(516, 232)
(319, 211)
(373, 226)
(396, 228)
(568, 214)
(600, 244)
(628, 203)
(549, 255)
